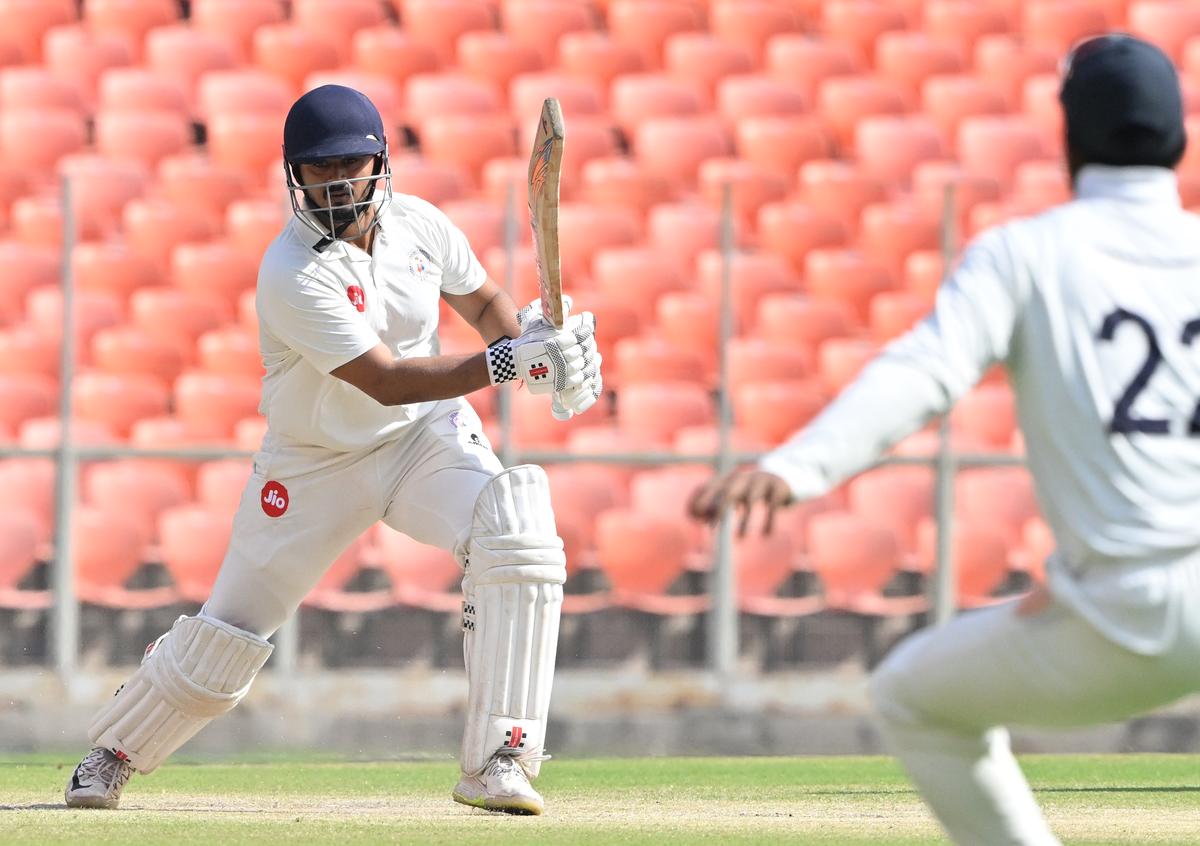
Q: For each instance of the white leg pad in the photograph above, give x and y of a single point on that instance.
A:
(515, 569)
(198, 670)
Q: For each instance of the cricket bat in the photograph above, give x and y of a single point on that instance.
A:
(545, 172)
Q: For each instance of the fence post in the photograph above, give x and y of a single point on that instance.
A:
(946, 464)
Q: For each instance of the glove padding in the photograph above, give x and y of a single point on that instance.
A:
(578, 399)
(548, 359)
(532, 313)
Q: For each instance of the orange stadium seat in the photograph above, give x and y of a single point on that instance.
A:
(193, 178)
(806, 62)
(393, 52)
(803, 321)
(980, 556)
(1059, 24)
(467, 140)
(620, 181)
(340, 18)
(858, 24)
(236, 20)
(923, 272)
(840, 360)
(166, 432)
(930, 180)
(247, 315)
(752, 276)
(242, 90)
(618, 319)
(129, 350)
(657, 409)
(19, 543)
(146, 137)
(913, 57)
(995, 145)
(1038, 185)
(840, 189)
(704, 59)
(33, 87)
(10, 54)
(897, 498)
(541, 23)
(131, 19)
(647, 24)
(961, 23)
(153, 227)
(194, 540)
(634, 276)
(523, 273)
(215, 267)
(25, 350)
(46, 433)
(772, 411)
(35, 139)
(93, 311)
(753, 359)
(118, 399)
(988, 414)
(845, 100)
(37, 220)
(293, 52)
(219, 484)
(750, 25)
(1007, 60)
(637, 98)
(439, 23)
(177, 315)
(888, 148)
(650, 360)
(422, 576)
(26, 268)
(248, 143)
(948, 99)
(139, 89)
(185, 54)
(248, 433)
(581, 491)
(665, 491)
(27, 484)
(592, 137)
(855, 559)
(14, 184)
(253, 224)
(704, 439)
(578, 97)
(846, 276)
(142, 491)
(216, 401)
(690, 321)
(585, 230)
(1002, 497)
(892, 313)
(24, 23)
(331, 594)
(682, 231)
(436, 182)
(792, 229)
(643, 555)
(1037, 544)
(25, 395)
(742, 96)
(751, 186)
(677, 147)
(100, 188)
(481, 221)
(890, 231)
(109, 547)
(1039, 103)
(496, 56)
(782, 143)
(597, 56)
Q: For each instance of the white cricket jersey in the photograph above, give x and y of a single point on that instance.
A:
(321, 308)
(1094, 309)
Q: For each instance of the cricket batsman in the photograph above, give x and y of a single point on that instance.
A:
(1094, 310)
(366, 421)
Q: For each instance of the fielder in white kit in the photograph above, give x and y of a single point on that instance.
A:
(1094, 310)
(366, 422)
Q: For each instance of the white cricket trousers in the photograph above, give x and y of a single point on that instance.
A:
(944, 694)
(304, 505)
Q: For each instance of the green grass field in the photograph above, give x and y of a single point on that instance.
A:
(1111, 800)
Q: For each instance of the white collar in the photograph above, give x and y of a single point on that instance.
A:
(330, 248)
(1142, 184)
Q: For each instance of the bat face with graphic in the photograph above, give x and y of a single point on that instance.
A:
(545, 170)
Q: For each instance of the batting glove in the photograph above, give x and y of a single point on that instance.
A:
(547, 359)
(532, 313)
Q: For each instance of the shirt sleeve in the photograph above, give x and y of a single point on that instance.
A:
(461, 271)
(319, 323)
(915, 378)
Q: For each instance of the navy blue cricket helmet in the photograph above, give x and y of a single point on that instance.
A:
(333, 122)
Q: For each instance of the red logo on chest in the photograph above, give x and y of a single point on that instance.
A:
(274, 499)
(357, 298)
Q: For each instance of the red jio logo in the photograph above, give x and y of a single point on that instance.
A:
(357, 298)
(274, 499)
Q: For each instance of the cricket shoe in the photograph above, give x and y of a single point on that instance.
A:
(98, 780)
(503, 785)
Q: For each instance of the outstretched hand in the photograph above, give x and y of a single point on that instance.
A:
(741, 490)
